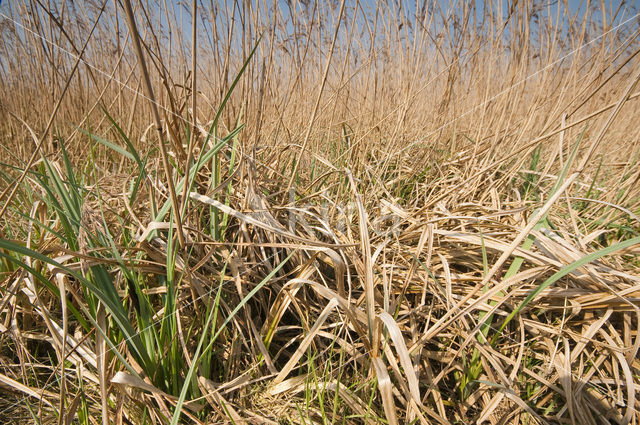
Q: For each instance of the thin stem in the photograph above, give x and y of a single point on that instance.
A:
(315, 108)
(194, 101)
(135, 37)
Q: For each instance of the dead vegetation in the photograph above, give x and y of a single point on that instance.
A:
(377, 213)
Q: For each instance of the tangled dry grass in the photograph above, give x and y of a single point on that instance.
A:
(377, 214)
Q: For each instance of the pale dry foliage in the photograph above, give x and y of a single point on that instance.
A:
(374, 221)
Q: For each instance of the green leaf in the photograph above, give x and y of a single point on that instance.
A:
(565, 271)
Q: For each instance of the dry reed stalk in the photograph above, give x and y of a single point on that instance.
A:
(135, 37)
(50, 122)
(294, 172)
(194, 103)
(451, 122)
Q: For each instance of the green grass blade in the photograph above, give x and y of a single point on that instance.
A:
(198, 356)
(103, 289)
(565, 271)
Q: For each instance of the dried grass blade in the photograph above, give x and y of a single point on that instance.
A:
(403, 354)
(41, 395)
(135, 37)
(72, 409)
(568, 269)
(511, 394)
(368, 283)
(125, 379)
(305, 342)
(250, 220)
(386, 390)
(212, 394)
(198, 355)
(629, 380)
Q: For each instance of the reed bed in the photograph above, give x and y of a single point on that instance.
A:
(319, 212)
